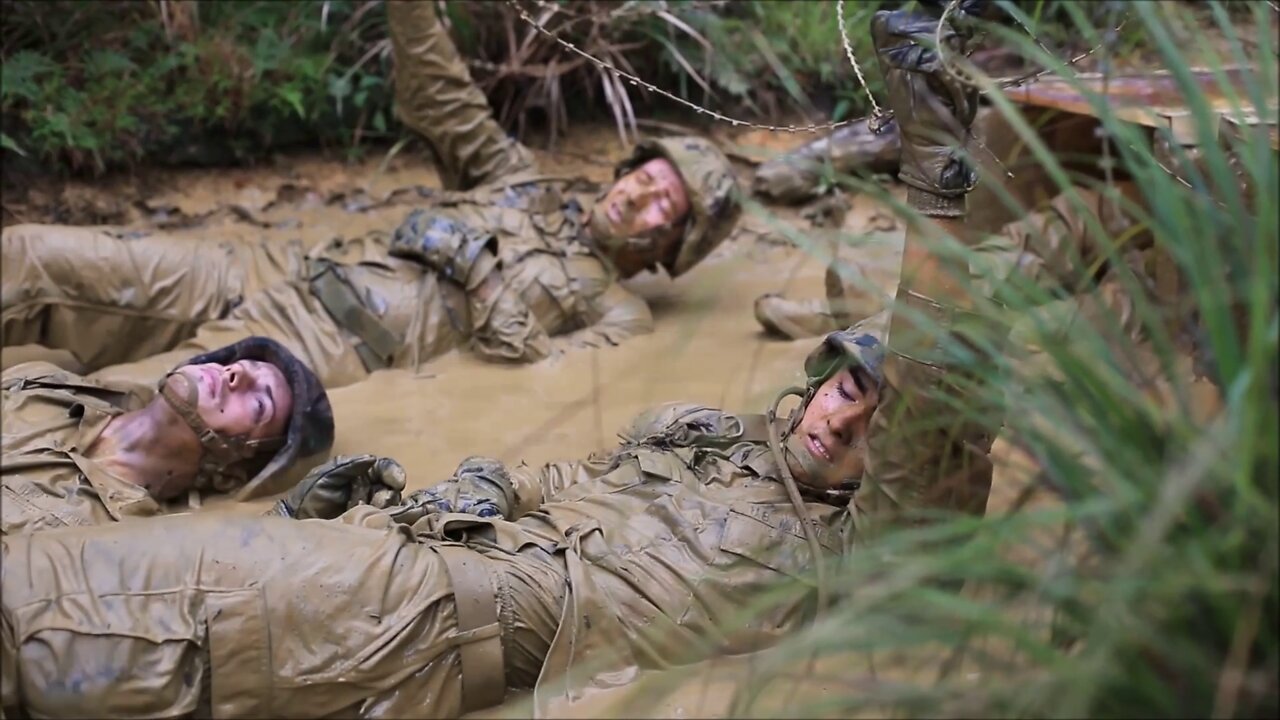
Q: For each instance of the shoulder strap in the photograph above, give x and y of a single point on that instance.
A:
(378, 345)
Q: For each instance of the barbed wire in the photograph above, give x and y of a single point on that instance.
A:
(1107, 39)
(629, 8)
(949, 65)
(877, 114)
(879, 117)
(638, 82)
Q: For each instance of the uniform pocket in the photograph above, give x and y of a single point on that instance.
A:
(27, 509)
(773, 537)
(239, 653)
(145, 655)
(111, 656)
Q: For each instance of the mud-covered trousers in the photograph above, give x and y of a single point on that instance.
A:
(110, 297)
(140, 306)
(235, 616)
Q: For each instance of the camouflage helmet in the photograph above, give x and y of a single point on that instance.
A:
(309, 434)
(708, 178)
(860, 345)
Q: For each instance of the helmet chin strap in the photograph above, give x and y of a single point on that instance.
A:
(221, 451)
(789, 482)
(787, 446)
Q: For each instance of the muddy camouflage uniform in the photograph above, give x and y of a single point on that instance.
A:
(644, 557)
(352, 306)
(51, 417)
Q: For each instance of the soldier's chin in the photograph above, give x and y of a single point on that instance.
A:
(810, 469)
(601, 228)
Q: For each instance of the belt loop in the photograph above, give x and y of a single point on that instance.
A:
(484, 682)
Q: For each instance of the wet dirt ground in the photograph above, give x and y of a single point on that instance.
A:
(707, 348)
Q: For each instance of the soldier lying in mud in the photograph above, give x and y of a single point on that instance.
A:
(1056, 247)
(575, 574)
(78, 452)
(502, 260)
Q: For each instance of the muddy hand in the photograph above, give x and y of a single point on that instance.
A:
(342, 483)
(480, 486)
(933, 107)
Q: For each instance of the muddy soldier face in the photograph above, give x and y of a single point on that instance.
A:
(506, 261)
(565, 577)
(247, 398)
(673, 202)
(80, 452)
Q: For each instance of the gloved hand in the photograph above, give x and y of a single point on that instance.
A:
(342, 483)
(456, 251)
(933, 108)
(480, 486)
(483, 477)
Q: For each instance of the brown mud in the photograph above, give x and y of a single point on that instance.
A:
(707, 348)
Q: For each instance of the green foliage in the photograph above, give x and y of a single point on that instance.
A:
(774, 49)
(91, 85)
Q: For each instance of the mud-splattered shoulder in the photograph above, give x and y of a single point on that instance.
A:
(685, 425)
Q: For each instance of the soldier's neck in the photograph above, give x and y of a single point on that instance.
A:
(152, 448)
(626, 265)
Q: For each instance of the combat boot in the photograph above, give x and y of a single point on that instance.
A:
(794, 319)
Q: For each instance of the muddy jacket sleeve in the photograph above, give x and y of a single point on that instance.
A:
(524, 488)
(529, 488)
(623, 315)
(533, 487)
(670, 421)
(436, 97)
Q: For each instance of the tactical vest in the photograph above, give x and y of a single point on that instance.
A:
(527, 215)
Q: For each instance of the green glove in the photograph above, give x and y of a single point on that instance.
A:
(342, 483)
